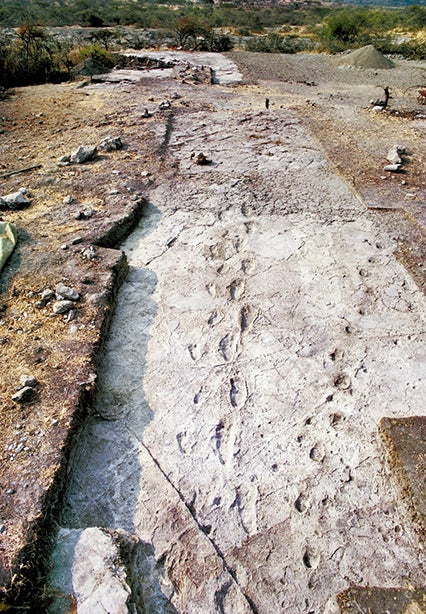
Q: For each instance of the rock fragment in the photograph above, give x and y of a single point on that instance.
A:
(392, 168)
(14, 201)
(84, 153)
(28, 380)
(394, 154)
(27, 394)
(202, 160)
(61, 307)
(84, 214)
(8, 239)
(64, 161)
(98, 578)
(64, 292)
(111, 143)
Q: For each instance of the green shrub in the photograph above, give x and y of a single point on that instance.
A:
(29, 59)
(97, 53)
(275, 43)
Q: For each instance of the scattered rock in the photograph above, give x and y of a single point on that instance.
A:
(28, 381)
(8, 238)
(164, 105)
(68, 200)
(62, 307)
(27, 394)
(146, 113)
(47, 294)
(202, 160)
(392, 168)
(64, 292)
(64, 161)
(84, 153)
(111, 143)
(394, 154)
(14, 201)
(84, 214)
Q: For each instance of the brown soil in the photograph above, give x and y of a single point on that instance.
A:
(41, 124)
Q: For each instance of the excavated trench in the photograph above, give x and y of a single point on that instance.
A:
(232, 462)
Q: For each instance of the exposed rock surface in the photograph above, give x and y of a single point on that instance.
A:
(232, 458)
(264, 330)
(88, 567)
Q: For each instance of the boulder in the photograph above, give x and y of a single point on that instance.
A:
(88, 68)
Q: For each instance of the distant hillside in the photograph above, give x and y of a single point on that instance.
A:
(382, 3)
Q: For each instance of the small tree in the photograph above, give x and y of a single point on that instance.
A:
(104, 38)
(185, 31)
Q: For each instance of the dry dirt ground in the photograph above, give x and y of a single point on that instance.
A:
(294, 198)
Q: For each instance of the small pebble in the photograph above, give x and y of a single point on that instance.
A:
(68, 200)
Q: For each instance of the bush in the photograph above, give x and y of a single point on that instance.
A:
(275, 43)
(411, 50)
(29, 59)
(211, 41)
(97, 53)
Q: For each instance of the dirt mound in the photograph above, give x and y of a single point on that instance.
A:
(366, 57)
